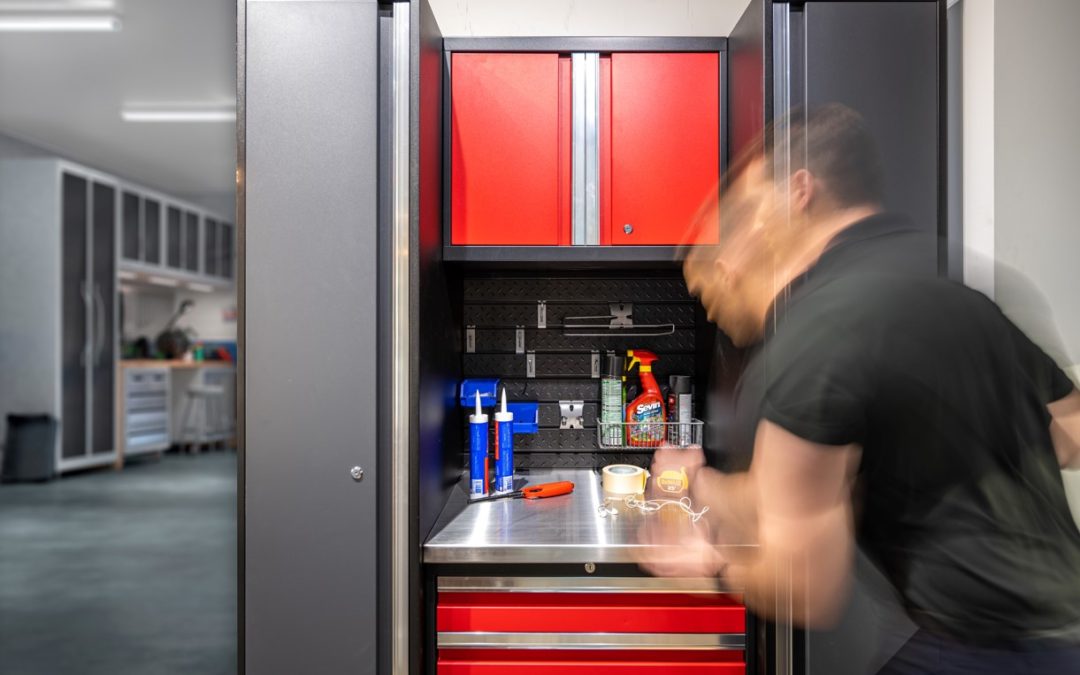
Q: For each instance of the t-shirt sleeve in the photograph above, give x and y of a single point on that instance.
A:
(818, 381)
(1049, 379)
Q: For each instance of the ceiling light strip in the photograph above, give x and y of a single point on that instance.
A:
(57, 23)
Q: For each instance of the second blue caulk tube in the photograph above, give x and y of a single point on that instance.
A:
(504, 449)
(478, 452)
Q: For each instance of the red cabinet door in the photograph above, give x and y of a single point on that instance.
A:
(664, 148)
(510, 149)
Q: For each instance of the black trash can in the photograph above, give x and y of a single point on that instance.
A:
(30, 451)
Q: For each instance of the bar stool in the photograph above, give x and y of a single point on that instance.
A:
(204, 414)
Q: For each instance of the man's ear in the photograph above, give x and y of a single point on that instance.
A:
(723, 272)
(802, 189)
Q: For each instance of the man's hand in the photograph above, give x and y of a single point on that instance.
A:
(678, 552)
(674, 458)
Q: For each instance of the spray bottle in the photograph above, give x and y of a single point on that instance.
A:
(645, 414)
(612, 400)
(504, 448)
(478, 452)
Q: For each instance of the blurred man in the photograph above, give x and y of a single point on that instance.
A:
(887, 408)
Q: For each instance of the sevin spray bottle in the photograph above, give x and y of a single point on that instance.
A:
(645, 414)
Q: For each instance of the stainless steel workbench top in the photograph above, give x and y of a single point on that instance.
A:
(564, 529)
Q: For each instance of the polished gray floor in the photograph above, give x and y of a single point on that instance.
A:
(121, 572)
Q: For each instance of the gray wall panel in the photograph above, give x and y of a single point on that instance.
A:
(882, 59)
(310, 368)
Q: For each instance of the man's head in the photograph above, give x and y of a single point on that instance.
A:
(812, 172)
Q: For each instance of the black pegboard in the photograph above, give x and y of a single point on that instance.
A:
(504, 341)
(483, 315)
(494, 306)
(488, 290)
(579, 460)
(562, 366)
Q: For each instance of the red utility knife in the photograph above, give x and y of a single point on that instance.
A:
(540, 491)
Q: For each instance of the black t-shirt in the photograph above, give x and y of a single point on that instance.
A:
(959, 497)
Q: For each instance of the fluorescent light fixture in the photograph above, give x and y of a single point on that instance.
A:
(179, 113)
(58, 23)
(164, 281)
(202, 288)
(57, 5)
(126, 275)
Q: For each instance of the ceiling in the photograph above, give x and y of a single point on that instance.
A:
(587, 17)
(64, 91)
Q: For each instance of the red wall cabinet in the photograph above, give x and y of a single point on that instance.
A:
(510, 149)
(511, 152)
(664, 148)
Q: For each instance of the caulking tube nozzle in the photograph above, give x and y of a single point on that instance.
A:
(479, 412)
(504, 401)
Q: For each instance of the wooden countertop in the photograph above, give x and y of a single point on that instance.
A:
(173, 363)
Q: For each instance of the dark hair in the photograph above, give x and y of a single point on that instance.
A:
(833, 143)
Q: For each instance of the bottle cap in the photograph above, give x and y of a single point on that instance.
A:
(479, 417)
(613, 365)
(680, 384)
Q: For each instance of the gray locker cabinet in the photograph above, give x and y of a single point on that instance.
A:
(308, 121)
(59, 347)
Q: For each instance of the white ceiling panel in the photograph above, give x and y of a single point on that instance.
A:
(64, 91)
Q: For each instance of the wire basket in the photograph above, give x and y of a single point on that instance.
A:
(647, 435)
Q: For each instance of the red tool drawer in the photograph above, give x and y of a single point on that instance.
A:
(590, 612)
(587, 662)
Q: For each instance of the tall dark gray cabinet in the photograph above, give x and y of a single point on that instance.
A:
(58, 297)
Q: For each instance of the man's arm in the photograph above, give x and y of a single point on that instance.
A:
(1065, 429)
(802, 494)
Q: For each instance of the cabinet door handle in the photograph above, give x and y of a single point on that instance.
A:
(88, 348)
(99, 324)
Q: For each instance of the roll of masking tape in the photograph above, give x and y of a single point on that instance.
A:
(623, 479)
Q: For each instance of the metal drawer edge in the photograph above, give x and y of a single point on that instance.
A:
(636, 641)
(581, 585)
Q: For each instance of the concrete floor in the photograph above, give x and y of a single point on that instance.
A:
(129, 572)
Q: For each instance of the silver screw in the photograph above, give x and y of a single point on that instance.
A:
(357, 473)
(590, 568)
(628, 228)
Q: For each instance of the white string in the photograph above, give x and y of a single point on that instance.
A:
(651, 506)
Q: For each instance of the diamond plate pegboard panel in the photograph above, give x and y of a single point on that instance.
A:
(506, 316)
(552, 390)
(562, 366)
(504, 340)
(575, 289)
(550, 440)
(578, 460)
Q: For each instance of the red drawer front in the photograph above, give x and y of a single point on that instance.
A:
(510, 149)
(590, 613)
(585, 662)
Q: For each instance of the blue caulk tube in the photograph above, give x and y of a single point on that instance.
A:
(504, 449)
(478, 452)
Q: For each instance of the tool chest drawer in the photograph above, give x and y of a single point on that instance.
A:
(490, 625)
(591, 612)
(146, 410)
(588, 662)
